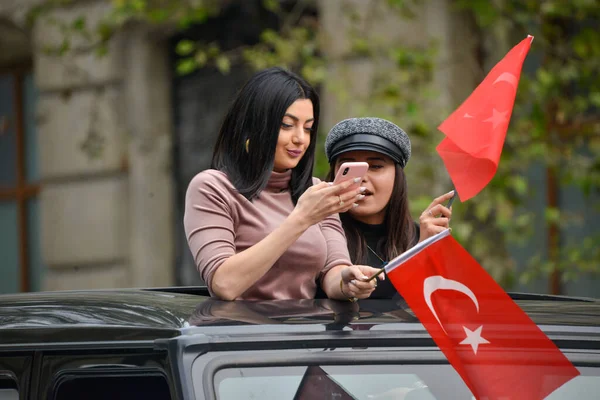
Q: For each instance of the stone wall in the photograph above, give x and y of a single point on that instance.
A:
(104, 128)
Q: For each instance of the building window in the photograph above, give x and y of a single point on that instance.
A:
(19, 183)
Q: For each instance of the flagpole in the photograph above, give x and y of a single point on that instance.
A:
(382, 269)
(411, 252)
(379, 272)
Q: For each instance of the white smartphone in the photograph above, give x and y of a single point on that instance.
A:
(351, 170)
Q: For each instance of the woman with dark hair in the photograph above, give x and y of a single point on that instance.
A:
(381, 228)
(258, 224)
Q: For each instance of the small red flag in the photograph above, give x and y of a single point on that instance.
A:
(495, 347)
(475, 132)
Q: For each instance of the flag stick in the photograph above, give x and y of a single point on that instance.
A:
(382, 269)
(376, 274)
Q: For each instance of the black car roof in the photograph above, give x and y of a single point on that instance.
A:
(156, 313)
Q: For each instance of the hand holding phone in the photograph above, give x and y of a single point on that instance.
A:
(351, 170)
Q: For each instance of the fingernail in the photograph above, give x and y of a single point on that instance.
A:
(365, 277)
(353, 281)
(360, 196)
(362, 189)
(356, 180)
(450, 192)
(330, 183)
(354, 205)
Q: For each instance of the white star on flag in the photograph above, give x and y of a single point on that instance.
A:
(474, 338)
(497, 118)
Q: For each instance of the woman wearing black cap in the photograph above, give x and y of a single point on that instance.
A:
(381, 227)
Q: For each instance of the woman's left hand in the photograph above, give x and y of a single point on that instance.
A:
(354, 281)
(436, 217)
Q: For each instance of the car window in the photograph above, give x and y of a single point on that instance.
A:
(366, 382)
(581, 387)
(9, 394)
(340, 382)
(112, 387)
(8, 389)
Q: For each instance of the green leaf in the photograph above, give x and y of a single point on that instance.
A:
(119, 3)
(79, 24)
(519, 183)
(483, 210)
(213, 50)
(101, 50)
(158, 15)
(223, 64)
(552, 215)
(201, 58)
(361, 46)
(138, 5)
(271, 5)
(185, 47)
(186, 66)
(269, 36)
(485, 12)
(64, 47)
(595, 99)
(199, 15)
(545, 78)
(105, 31)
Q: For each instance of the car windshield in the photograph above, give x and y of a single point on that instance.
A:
(368, 382)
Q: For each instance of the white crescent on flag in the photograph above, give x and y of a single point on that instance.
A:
(508, 78)
(437, 282)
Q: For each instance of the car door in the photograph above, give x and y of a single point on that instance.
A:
(345, 366)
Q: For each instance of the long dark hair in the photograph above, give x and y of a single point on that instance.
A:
(398, 224)
(255, 115)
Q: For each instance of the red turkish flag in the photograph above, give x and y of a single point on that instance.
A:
(475, 132)
(496, 348)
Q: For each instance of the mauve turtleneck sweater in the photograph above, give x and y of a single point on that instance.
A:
(219, 222)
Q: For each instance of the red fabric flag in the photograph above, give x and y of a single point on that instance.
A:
(496, 348)
(475, 132)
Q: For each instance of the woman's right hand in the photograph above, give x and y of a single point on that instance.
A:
(355, 281)
(324, 199)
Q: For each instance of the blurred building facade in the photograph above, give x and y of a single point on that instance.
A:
(101, 213)
(96, 152)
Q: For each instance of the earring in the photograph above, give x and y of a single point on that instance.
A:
(247, 144)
